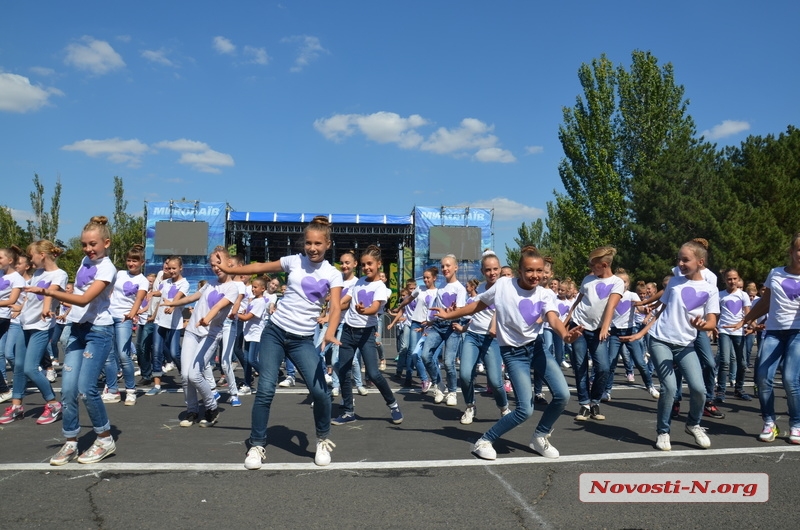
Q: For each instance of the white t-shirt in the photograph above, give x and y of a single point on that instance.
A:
(708, 276)
(210, 295)
(366, 293)
(9, 282)
(731, 310)
(270, 300)
(625, 312)
(96, 311)
(308, 284)
(423, 301)
(683, 301)
(519, 311)
(146, 309)
(554, 296)
(563, 306)
(451, 293)
(125, 290)
(169, 290)
(253, 327)
(784, 307)
(31, 316)
(482, 320)
(596, 292)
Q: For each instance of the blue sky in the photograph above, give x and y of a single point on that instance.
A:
(352, 107)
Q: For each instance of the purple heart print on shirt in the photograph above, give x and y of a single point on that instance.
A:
(791, 288)
(734, 306)
(530, 312)
(249, 308)
(345, 291)
(365, 298)
(85, 275)
(314, 289)
(4, 284)
(130, 289)
(145, 303)
(623, 307)
(413, 305)
(43, 285)
(692, 299)
(563, 309)
(172, 292)
(448, 299)
(213, 297)
(603, 290)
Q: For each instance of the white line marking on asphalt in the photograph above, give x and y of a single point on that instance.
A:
(109, 465)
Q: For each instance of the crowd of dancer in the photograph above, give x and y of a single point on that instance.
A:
(519, 326)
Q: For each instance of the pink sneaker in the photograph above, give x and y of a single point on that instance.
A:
(426, 385)
(12, 413)
(507, 386)
(52, 411)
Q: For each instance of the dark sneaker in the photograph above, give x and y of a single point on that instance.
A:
(711, 411)
(584, 414)
(344, 419)
(190, 419)
(676, 408)
(397, 416)
(211, 418)
(539, 399)
(595, 412)
(744, 396)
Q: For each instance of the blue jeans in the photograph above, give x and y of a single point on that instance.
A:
(165, 338)
(636, 350)
(415, 335)
(473, 347)
(702, 346)
(253, 348)
(87, 350)
(276, 344)
(12, 342)
(589, 343)
(355, 372)
(55, 337)
(26, 364)
(362, 339)
(731, 350)
(144, 348)
(518, 363)
(749, 340)
(5, 323)
(442, 332)
(779, 349)
(123, 331)
(665, 356)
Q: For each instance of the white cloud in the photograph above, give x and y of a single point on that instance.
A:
(224, 46)
(257, 55)
(470, 137)
(17, 94)
(533, 149)
(158, 56)
(114, 149)
(42, 71)
(506, 209)
(198, 155)
(93, 55)
(20, 216)
(726, 128)
(309, 50)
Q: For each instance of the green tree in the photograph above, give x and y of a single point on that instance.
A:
(10, 231)
(45, 223)
(527, 234)
(72, 257)
(127, 230)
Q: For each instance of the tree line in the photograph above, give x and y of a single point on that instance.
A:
(637, 176)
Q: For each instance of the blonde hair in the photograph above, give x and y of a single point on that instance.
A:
(320, 224)
(45, 246)
(699, 247)
(100, 224)
(605, 254)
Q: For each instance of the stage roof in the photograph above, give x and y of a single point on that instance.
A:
(334, 218)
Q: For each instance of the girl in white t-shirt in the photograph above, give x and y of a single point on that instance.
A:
(11, 285)
(91, 340)
(37, 317)
(290, 333)
(365, 300)
(347, 265)
(129, 291)
(780, 346)
(521, 305)
(200, 339)
(734, 304)
(169, 322)
(255, 316)
(599, 295)
(451, 295)
(689, 306)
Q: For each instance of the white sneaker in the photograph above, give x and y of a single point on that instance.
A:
(111, 397)
(565, 364)
(324, 448)
(452, 399)
(700, 436)
(335, 391)
(483, 449)
(51, 375)
(438, 395)
(256, 456)
(362, 391)
(541, 445)
(328, 379)
(137, 372)
(5, 396)
(505, 411)
(654, 393)
(286, 383)
(168, 368)
(130, 398)
(97, 451)
(663, 442)
(469, 415)
(481, 368)
(245, 390)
